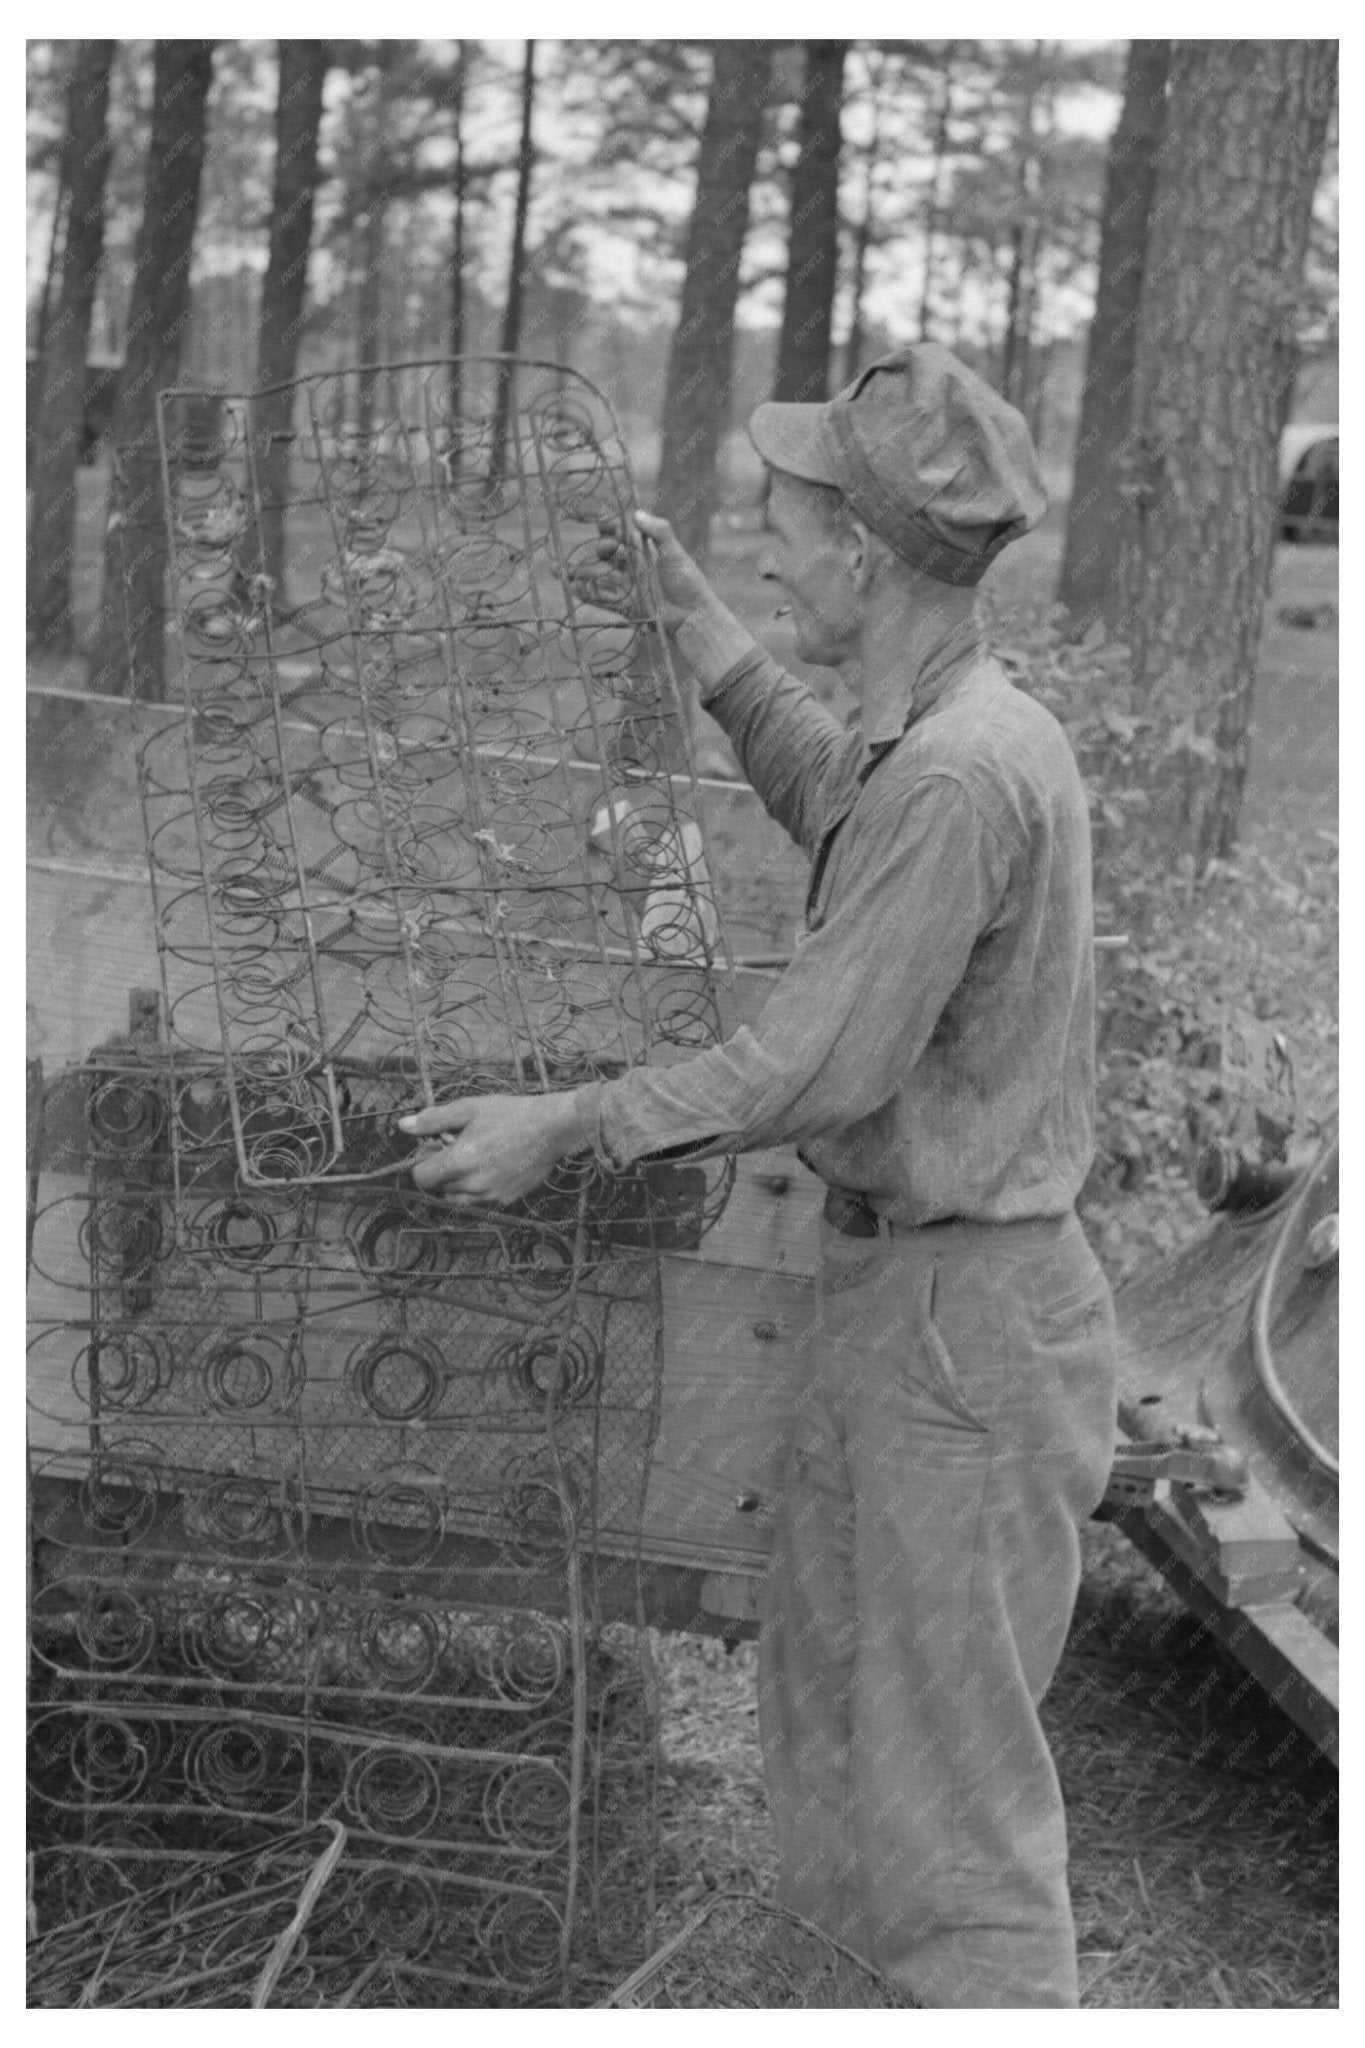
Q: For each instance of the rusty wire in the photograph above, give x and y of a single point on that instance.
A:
(324, 1477)
(744, 1951)
(230, 1931)
(439, 818)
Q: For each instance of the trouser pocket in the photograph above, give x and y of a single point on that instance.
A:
(932, 1365)
(847, 1262)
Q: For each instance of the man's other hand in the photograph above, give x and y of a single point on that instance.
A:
(503, 1145)
(683, 589)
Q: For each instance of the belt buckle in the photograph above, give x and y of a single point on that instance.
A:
(849, 1212)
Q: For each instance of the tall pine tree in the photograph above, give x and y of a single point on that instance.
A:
(298, 114)
(128, 649)
(1246, 131)
(698, 383)
(1089, 585)
(813, 239)
(61, 363)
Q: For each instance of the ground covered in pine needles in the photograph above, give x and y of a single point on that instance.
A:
(1203, 1825)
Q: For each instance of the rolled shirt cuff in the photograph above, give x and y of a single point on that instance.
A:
(617, 1139)
(748, 663)
(586, 1128)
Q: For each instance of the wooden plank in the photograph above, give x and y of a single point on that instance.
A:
(1296, 1664)
(89, 942)
(770, 1224)
(1242, 1551)
(471, 1571)
(733, 1342)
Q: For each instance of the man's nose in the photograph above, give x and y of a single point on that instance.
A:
(767, 570)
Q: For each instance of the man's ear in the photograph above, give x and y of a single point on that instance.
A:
(864, 554)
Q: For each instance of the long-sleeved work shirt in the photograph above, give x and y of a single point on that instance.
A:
(931, 1044)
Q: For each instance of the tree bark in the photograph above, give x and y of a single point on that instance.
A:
(698, 381)
(54, 242)
(128, 650)
(1089, 584)
(457, 254)
(370, 235)
(298, 116)
(1014, 365)
(1014, 375)
(942, 137)
(510, 339)
(862, 243)
(1246, 129)
(813, 240)
(59, 411)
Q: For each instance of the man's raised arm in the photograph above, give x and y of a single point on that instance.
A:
(778, 727)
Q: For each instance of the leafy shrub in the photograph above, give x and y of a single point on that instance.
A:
(1242, 955)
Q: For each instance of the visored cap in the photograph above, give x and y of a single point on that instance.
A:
(929, 457)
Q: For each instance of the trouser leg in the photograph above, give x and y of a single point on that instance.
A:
(917, 1611)
(957, 1811)
(806, 1660)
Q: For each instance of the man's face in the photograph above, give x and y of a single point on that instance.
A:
(812, 558)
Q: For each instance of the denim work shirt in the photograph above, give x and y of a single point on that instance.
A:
(931, 1044)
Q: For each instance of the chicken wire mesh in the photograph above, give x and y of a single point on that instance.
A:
(327, 1479)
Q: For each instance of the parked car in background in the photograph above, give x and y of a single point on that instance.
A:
(1308, 482)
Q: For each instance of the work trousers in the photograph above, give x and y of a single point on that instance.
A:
(954, 1424)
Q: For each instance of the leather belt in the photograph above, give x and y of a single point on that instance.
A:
(848, 1210)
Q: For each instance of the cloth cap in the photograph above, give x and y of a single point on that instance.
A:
(928, 456)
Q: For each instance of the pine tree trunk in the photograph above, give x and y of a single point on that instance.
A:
(1014, 375)
(698, 382)
(813, 241)
(128, 649)
(1246, 129)
(862, 242)
(369, 312)
(1012, 369)
(298, 115)
(54, 244)
(942, 137)
(457, 254)
(1089, 583)
(863, 233)
(370, 197)
(510, 340)
(60, 399)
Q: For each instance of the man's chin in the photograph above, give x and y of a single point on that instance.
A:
(814, 651)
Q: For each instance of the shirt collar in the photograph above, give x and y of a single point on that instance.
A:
(907, 693)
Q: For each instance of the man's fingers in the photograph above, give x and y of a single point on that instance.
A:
(444, 1116)
(434, 1169)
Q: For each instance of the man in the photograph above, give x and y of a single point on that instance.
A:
(930, 1052)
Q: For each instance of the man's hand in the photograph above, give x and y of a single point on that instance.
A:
(682, 586)
(506, 1144)
(709, 635)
